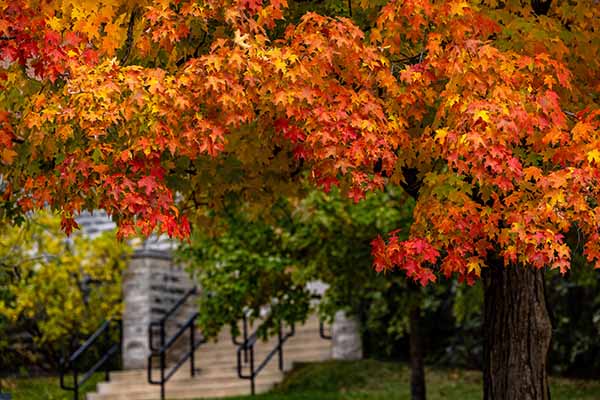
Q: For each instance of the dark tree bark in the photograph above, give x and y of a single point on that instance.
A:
(417, 367)
(517, 332)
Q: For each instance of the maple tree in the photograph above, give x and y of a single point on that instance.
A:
(486, 112)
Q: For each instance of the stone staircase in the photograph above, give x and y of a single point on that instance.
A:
(216, 365)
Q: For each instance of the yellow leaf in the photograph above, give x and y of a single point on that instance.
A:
(474, 266)
(484, 115)
(280, 65)
(440, 135)
(594, 156)
(55, 24)
(557, 197)
(452, 100)
(458, 8)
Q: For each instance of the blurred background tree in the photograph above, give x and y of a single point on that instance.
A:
(54, 290)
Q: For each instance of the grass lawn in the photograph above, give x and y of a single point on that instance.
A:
(376, 380)
(335, 380)
(44, 388)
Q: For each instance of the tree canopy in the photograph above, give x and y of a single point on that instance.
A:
(486, 112)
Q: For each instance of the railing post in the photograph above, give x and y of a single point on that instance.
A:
(162, 334)
(245, 328)
(107, 347)
(322, 330)
(102, 339)
(279, 337)
(162, 360)
(239, 364)
(192, 349)
(165, 345)
(75, 385)
(252, 388)
(120, 351)
(162, 372)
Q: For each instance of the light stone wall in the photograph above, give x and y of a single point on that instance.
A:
(151, 286)
(94, 223)
(136, 315)
(346, 338)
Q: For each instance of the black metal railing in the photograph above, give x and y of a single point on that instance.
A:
(322, 333)
(109, 351)
(161, 351)
(246, 348)
(244, 336)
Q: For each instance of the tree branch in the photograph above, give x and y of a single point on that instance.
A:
(184, 59)
(541, 7)
(298, 169)
(129, 41)
(569, 114)
(412, 183)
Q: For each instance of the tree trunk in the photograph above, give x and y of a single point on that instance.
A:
(517, 332)
(417, 369)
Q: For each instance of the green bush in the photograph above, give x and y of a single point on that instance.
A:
(55, 290)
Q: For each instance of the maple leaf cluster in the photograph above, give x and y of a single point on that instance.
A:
(504, 172)
(114, 104)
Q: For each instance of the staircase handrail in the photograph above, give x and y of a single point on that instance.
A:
(322, 333)
(165, 345)
(163, 320)
(70, 363)
(248, 346)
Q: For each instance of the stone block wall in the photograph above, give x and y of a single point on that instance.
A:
(346, 337)
(151, 286)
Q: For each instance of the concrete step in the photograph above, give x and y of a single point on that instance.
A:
(215, 376)
(185, 393)
(229, 363)
(225, 367)
(304, 334)
(202, 372)
(216, 364)
(197, 383)
(229, 359)
(210, 353)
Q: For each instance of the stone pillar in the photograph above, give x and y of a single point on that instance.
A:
(136, 314)
(152, 284)
(346, 339)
